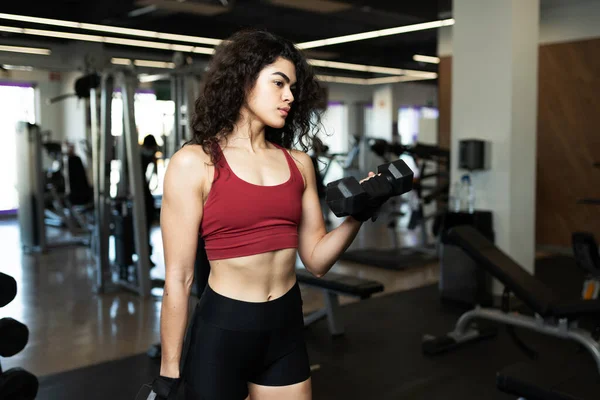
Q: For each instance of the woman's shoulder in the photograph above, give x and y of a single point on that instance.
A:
(190, 155)
(300, 156)
(189, 163)
(304, 164)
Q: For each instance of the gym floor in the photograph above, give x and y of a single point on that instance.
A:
(83, 345)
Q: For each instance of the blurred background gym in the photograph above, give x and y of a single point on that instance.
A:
(492, 103)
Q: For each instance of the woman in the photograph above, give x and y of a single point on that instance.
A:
(253, 199)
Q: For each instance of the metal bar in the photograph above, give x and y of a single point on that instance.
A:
(95, 133)
(102, 142)
(332, 305)
(136, 176)
(181, 110)
(190, 93)
(560, 330)
(38, 182)
(315, 316)
(31, 223)
(172, 139)
(331, 311)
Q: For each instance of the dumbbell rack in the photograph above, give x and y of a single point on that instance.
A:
(15, 383)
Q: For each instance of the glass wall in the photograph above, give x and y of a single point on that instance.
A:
(17, 103)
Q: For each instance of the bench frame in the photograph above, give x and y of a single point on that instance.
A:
(465, 332)
(550, 317)
(332, 305)
(331, 311)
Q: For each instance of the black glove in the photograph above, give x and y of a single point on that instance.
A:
(165, 388)
(379, 190)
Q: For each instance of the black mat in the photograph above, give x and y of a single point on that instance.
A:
(378, 358)
(395, 259)
(572, 377)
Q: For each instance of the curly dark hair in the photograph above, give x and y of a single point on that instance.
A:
(231, 75)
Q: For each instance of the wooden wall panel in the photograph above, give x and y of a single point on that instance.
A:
(568, 140)
(568, 137)
(444, 101)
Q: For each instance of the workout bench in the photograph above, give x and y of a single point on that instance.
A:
(552, 317)
(334, 285)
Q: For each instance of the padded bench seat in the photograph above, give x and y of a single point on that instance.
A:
(342, 284)
(333, 285)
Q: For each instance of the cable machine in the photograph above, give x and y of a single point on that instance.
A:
(130, 268)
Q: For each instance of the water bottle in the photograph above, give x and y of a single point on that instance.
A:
(467, 194)
(454, 198)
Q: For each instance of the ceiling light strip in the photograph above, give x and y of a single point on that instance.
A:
(373, 69)
(426, 59)
(113, 29)
(371, 81)
(375, 34)
(356, 67)
(142, 63)
(120, 61)
(109, 40)
(342, 79)
(26, 50)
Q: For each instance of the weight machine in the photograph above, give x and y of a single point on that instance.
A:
(36, 190)
(113, 214)
(124, 215)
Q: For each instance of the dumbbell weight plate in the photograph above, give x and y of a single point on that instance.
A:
(145, 393)
(345, 196)
(8, 289)
(18, 384)
(399, 174)
(13, 337)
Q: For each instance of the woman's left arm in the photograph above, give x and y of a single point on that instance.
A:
(319, 249)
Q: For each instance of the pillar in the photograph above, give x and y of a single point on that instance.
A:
(494, 98)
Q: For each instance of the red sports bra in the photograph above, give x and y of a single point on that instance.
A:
(242, 219)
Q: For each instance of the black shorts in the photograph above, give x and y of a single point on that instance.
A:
(234, 342)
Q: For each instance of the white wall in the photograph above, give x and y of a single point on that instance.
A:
(383, 112)
(353, 96)
(444, 41)
(50, 117)
(66, 119)
(560, 21)
(568, 22)
(349, 93)
(413, 94)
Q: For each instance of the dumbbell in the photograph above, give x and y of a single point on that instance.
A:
(13, 337)
(347, 196)
(15, 383)
(18, 384)
(8, 289)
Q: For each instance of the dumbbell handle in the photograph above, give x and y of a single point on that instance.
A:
(378, 189)
(378, 186)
